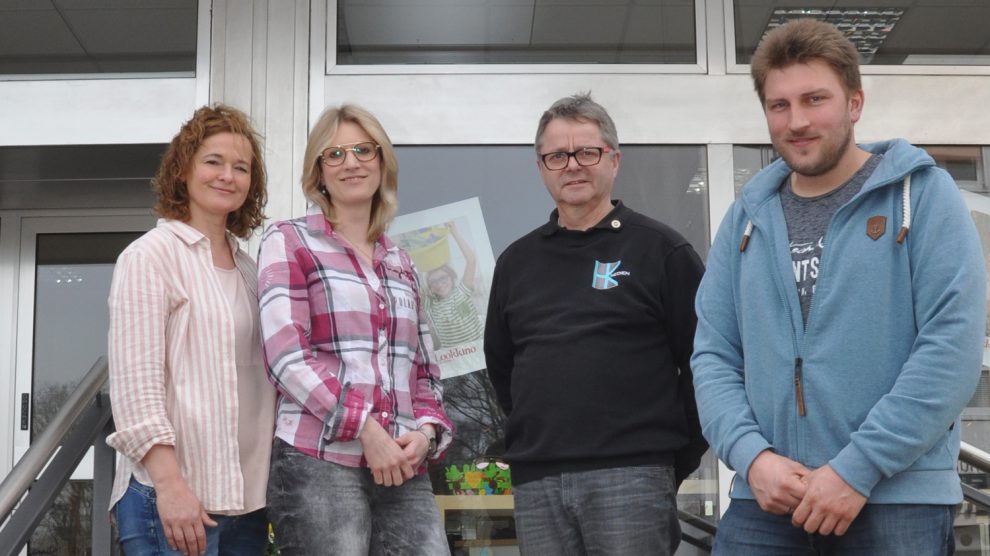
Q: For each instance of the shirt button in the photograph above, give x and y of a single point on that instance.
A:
(384, 414)
(616, 224)
(381, 305)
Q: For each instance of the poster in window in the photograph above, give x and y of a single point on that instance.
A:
(449, 246)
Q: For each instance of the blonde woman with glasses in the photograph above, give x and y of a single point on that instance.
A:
(347, 347)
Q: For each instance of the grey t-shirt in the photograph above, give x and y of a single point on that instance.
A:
(807, 221)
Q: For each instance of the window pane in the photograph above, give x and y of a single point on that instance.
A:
(516, 32)
(965, 164)
(78, 176)
(97, 36)
(668, 183)
(747, 161)
(886, 32)
(70, 323)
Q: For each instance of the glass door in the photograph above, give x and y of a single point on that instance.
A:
(65, 268)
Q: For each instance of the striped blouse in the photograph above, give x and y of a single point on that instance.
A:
(173, 374)
(344, 342)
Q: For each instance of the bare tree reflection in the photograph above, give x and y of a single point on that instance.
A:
(478, 419)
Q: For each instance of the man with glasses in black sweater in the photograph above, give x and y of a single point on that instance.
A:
(588, 337)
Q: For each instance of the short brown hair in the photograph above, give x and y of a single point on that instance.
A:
(170, 181)
(801, 41)
(385, 202)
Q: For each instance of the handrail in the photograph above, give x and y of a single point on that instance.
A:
(708, 528)
(24, 473)
(974, 456)
(979, 459)
(698, 522)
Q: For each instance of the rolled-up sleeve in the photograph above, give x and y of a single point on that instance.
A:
(138, 306)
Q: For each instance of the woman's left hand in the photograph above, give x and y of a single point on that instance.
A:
(415, 447)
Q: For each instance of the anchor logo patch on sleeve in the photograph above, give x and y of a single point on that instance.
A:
(876, 226)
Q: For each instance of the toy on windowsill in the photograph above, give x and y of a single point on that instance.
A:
(453, 475)
(497, 476)
(487, 476)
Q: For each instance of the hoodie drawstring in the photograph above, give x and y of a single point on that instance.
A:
(748, 232)
(905, 209)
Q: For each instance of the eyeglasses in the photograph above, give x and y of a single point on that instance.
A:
(335, 156)
(587, 156)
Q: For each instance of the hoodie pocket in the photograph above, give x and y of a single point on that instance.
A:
(938, 458)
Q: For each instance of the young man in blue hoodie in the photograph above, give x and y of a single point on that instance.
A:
(840, 325)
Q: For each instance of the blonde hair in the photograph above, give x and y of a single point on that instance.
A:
(385, 202)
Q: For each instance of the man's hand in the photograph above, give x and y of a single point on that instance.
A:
(776, 482)
(385, 457)
(830, 504)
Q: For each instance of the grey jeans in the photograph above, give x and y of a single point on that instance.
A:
(620, 511)
(319, 507)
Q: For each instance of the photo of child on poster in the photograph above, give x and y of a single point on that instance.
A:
(449, 246)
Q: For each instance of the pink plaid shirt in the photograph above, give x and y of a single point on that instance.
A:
(342, 343)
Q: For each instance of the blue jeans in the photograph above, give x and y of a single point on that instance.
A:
(879, 529)
(319, 507)
(141, 532)
(620, 511)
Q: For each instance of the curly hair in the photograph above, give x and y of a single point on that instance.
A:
(385, 202)
(169, 183)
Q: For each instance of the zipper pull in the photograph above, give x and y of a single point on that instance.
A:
(798, 390)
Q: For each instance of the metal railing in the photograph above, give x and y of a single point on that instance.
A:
(708, 528)
(83, 421)
(980, 460)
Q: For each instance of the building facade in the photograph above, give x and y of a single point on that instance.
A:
(91, 90)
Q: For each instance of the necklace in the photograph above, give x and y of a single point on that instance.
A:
(357, 247)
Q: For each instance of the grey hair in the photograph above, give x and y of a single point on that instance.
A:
(580, 108)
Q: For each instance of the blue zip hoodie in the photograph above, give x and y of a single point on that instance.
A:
(891, 353)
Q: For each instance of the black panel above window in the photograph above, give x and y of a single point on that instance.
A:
(516, 32)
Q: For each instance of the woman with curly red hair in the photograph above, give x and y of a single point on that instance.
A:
(192, 406)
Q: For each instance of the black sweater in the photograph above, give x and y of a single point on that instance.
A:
(585, 355)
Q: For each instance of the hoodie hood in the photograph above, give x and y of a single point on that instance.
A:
(900, 159)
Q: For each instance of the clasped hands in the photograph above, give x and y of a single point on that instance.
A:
(819, 501)
(392, 460)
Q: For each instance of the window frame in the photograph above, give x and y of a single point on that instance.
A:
(728, 7)
(332, 68)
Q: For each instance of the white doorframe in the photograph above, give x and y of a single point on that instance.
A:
(21, 335)
(10, 244)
